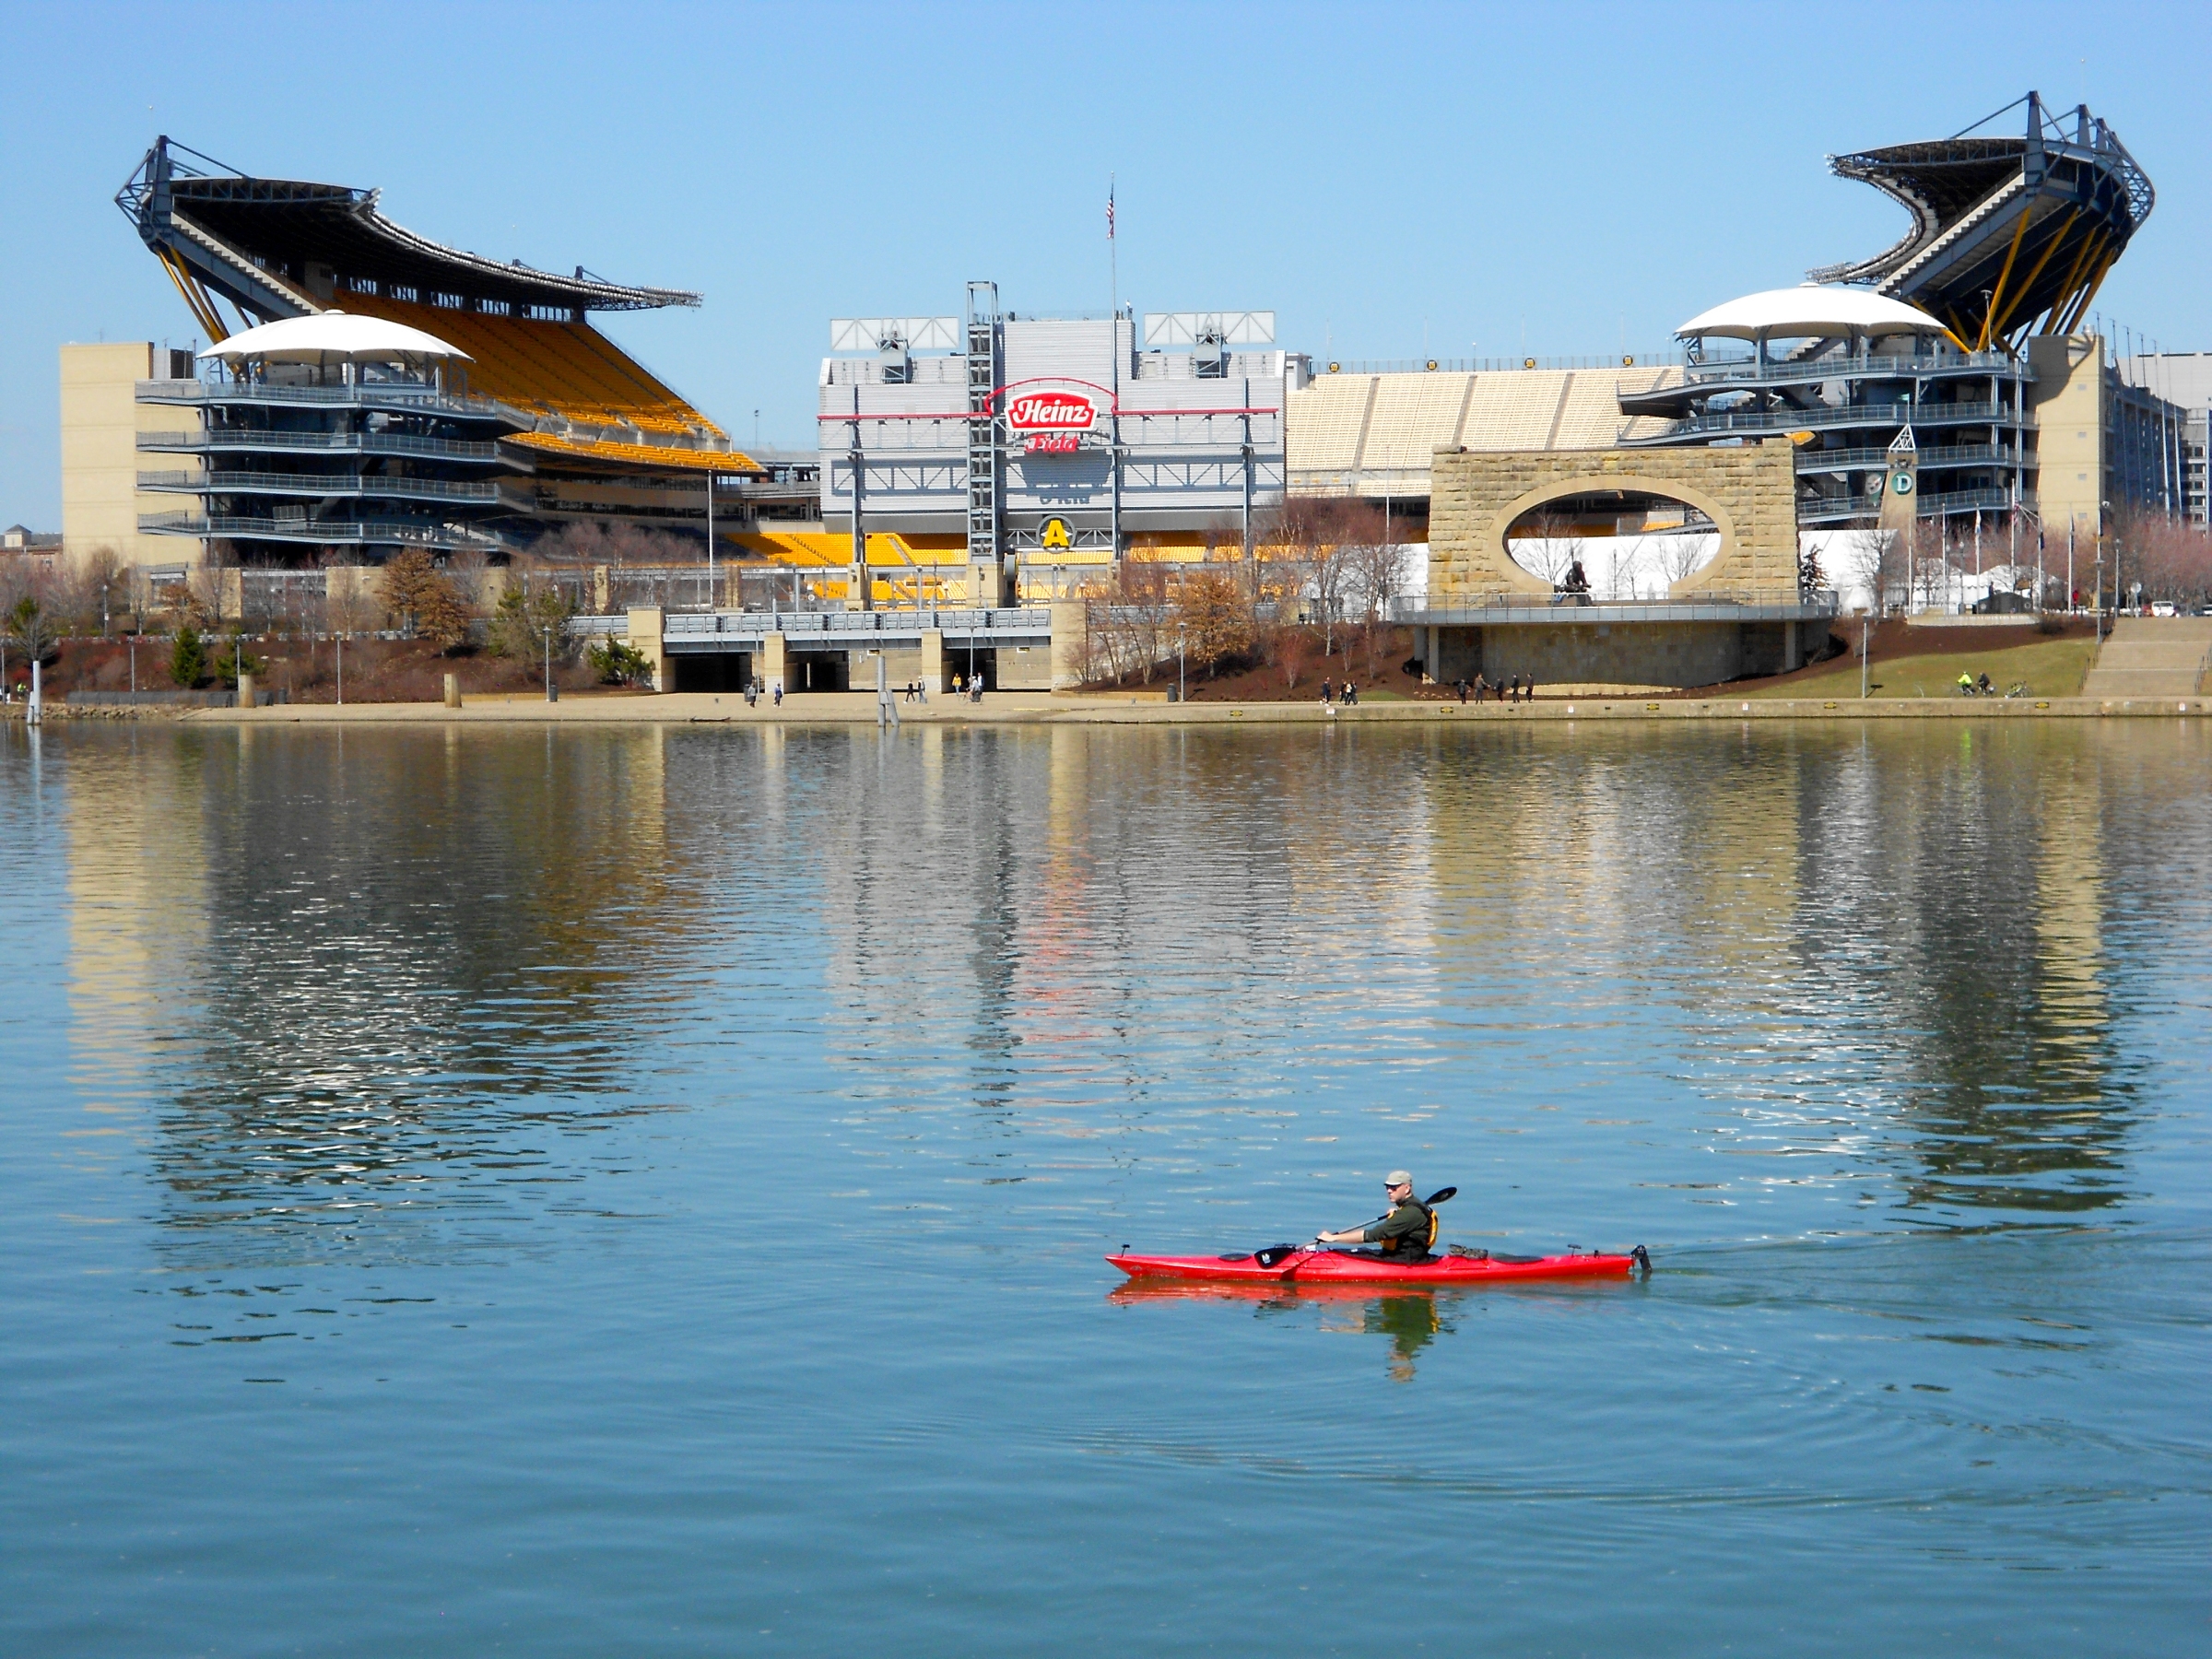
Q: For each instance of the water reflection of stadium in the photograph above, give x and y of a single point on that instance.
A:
(349, 1008)
(383, 983)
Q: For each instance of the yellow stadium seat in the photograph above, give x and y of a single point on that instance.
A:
(569, 370)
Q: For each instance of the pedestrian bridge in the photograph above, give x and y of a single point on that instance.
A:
(700, 632)
(835, 650)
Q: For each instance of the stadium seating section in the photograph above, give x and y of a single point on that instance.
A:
(564, 369)
(831, 548)
(644, 454)
(1389, 422)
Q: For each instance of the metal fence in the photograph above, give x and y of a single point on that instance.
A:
(283, 601)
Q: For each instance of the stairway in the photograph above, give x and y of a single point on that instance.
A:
(2151, 656)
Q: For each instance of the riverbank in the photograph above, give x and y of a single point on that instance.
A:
(1012, 707)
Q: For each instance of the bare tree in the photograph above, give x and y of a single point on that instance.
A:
(1865, 561)
(1684, 553)
(2171, 557)
(1212, 618)
(1543, 543)
(1376, 574)
(1928, 571)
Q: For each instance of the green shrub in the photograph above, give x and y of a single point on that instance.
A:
(237, 661)
(187, 658)
(617, 661)
(520, 621)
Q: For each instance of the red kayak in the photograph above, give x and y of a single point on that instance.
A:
(1339, 1268)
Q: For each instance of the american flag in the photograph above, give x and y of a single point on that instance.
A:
(1109, 212)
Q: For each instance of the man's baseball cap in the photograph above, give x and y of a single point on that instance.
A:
(1398, 1178)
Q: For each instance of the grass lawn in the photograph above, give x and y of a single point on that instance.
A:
(2051, 668)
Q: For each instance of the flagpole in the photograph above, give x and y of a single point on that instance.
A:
(1114, 337)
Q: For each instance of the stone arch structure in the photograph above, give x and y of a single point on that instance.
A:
(1749, 493)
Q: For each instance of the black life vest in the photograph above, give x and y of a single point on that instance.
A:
(1412, 1246)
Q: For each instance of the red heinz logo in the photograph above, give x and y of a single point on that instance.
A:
(1050, 412)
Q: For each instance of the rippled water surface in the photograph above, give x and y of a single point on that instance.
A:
(642, 1192)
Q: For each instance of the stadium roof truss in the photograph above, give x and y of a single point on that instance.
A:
(221, 232)
(2009, 236)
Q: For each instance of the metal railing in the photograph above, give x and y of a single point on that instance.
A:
(830, 627)
(1819, 460)
(1927, 506)
(372, 396)
(1026, 618)
(1378, 481)
(308, 484)
(1673, 357)
(1869, 414)
(366, 443)
(449, 537)
(1748, 374)
(1715, 604)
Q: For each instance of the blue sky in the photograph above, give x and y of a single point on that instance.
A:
(1553, 178)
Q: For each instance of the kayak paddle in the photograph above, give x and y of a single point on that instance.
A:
(1274, 1254)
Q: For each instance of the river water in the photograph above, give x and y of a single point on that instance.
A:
(642, 1191)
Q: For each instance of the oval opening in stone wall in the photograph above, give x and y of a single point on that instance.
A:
(1625, 544)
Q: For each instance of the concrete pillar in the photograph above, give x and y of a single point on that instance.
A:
(246, 690)
(771, 662)
(643, 630)
(1070, 622)
(603, 591)
(933, 661)
(453, 690)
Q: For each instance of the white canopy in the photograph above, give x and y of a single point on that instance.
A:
(332, 334)
(1807, 313)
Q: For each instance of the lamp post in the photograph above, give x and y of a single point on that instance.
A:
(2104, 508)
(547, 629)
(2018, 512)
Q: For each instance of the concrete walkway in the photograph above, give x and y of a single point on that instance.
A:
(1037, 708)
(2151, 656)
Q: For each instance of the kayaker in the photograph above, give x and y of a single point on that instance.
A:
(1403, 1236)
